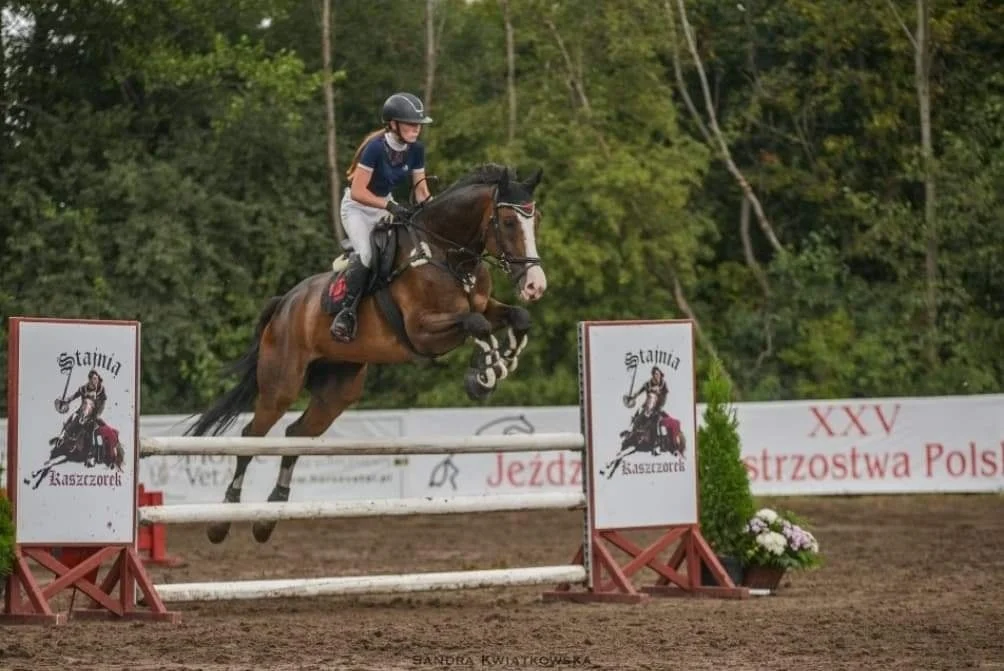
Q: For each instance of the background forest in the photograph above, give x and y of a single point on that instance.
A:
(817, 182)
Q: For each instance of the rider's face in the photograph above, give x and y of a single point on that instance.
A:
(409, 132)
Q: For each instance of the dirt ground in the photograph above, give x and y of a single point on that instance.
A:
(911, 583)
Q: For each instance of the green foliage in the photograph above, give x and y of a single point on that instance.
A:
(166, 162)
(726, 502)
(6, 532)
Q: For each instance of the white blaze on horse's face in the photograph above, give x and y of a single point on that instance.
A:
(534, 281)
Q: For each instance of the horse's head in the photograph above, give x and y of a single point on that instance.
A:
(86, 408)
(514, 222)
(490, 211)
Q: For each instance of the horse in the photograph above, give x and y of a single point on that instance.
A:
(430, 290)
(81, 441)
(650, 433)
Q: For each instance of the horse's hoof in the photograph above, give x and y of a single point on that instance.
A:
(510, 363)
(262, 531)
(475, 390)
(217, 533)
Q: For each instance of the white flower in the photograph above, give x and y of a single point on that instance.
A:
(767, 515)
(772, 541)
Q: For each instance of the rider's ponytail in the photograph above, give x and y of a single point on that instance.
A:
(359, 150)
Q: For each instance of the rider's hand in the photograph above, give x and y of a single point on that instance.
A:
(399, 211)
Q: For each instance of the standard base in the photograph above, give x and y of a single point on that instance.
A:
(77, 568)
(678, 577)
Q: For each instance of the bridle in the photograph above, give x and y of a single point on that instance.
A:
(504, 259)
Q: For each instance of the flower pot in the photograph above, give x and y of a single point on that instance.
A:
(763, 577)
(732, 566)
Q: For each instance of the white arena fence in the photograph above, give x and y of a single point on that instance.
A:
(420, 582)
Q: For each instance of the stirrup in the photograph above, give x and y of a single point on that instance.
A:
(343, 333)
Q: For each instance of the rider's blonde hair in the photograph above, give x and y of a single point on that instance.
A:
(359, 150)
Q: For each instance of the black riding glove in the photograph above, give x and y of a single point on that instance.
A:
(398, 210)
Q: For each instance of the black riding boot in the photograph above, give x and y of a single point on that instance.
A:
(343, 328)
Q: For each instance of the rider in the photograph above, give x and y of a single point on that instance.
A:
(384, 158)
(656, 390)
(92, 397)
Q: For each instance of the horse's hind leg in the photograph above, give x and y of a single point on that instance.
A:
(217, 531)
(278, 386)
(333, 388)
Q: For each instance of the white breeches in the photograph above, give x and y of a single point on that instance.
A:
(358, 221)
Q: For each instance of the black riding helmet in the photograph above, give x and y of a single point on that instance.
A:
(404, 107)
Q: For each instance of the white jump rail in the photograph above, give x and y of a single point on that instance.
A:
(378, 584)
(260, 512)
(324, 446)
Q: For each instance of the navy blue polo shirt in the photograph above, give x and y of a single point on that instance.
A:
(390, 167)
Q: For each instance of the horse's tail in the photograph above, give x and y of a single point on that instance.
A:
(224, 411)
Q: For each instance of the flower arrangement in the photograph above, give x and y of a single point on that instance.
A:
(778, 541)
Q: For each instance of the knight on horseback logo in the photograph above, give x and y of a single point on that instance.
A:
(651, 429)
(85, 437)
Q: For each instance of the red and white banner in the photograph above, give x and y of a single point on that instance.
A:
(874, 446)
(861, 446)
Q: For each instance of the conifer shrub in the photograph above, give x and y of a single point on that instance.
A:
(726, 501)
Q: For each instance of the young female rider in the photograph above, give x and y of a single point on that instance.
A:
(382, 161)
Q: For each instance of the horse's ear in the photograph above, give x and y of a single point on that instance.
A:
(534, 180)
(503, 183)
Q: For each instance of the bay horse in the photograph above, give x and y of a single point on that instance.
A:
(430, 289)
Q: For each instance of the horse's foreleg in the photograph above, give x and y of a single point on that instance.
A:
(517, 322)
(611, 466)
(485, 368)
(335, 388)
(40, 474)
(442, 331)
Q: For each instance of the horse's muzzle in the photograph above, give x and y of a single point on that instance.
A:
(532, 284)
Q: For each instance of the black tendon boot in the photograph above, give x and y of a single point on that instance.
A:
(343, 328)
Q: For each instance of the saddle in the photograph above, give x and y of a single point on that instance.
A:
(384, 242)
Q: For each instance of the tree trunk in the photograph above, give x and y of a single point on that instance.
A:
(430, 52)
(702, 338)
(716, 132)
(334, 181)
(510, 59)
(922, 68)
(4, 103)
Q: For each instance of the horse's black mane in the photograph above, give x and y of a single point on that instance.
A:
(483, 174)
